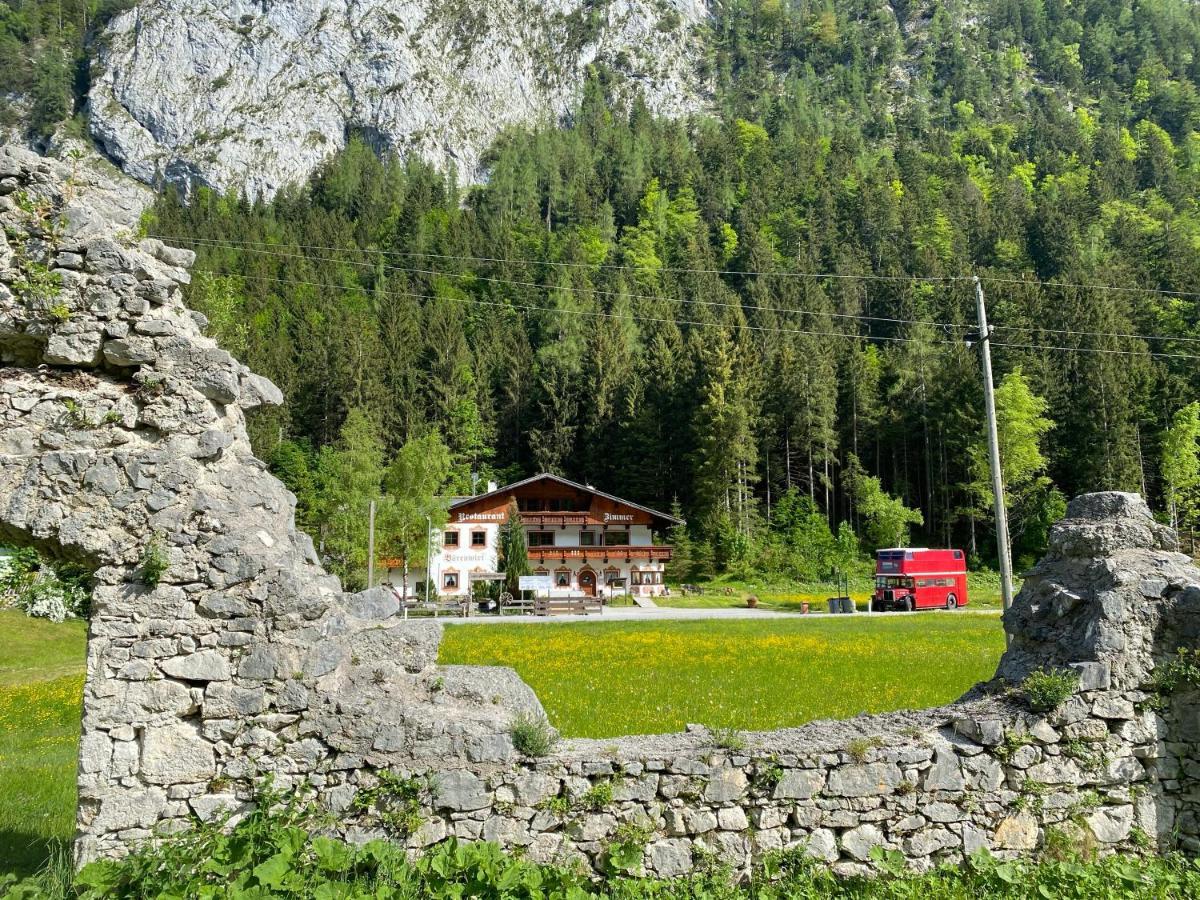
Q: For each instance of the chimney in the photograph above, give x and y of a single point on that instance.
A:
(492, 486)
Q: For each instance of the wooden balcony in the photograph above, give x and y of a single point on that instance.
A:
(601, 554)
(549, 519)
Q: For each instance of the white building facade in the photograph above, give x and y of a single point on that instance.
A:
(586, 542)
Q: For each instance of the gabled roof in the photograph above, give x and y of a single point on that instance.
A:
(663, 518)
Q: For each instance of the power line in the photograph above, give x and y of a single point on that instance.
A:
(503, 304)
(1131, 289)
(773, 329)
(471, 276)
(787, 273)
(251, 247)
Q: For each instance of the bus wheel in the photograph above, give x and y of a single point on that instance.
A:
(908, 604)
(951, 602)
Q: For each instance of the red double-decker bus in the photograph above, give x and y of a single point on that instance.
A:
(908, 578)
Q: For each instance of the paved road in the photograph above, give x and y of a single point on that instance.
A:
(667, 613)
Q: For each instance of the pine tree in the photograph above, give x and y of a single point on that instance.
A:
(514, 557)
(726, 453)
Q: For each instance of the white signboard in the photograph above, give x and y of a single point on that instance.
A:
(535, 582)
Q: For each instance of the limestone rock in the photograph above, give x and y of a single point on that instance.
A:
(858, 842)
(177, 94)
(1016, 832)
(176, 753)
(207, 665)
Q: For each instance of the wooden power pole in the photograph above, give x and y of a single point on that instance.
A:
(989, 404)
(371, 546)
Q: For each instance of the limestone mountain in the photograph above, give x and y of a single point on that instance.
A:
(254, 95)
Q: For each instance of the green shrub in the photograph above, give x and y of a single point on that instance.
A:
(599, 796)
(1181, 672)
(394, 802)
(279, 851)
(1047, 689)
(154, 563)
(531, 735)
(43, 589)
(727, 738)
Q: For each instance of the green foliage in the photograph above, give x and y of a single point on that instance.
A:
(44, 589)
(531, 735)
(887, 518)
(154, 562)
(727, 738)
(395, 802)
(1180, 673)
(412, 511)
(1181, 466)
(1021, 424)
(598, 797)
(1014, 740)
(1047, 689)
(625, 851)
(859, 749)
(589, 303)
(511, 550)
(350, 475)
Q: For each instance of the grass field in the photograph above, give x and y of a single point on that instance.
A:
(983, 590)
(608, 679)
(41, 686)
(596, 680)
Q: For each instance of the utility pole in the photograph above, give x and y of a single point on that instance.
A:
(428, 556)
(989, 404)
(371, 546)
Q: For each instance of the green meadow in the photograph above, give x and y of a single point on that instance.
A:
(41, 688)
(607, 679)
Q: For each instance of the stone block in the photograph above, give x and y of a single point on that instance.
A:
(799, 784)
(670, 858)
(459, 789)
(176, 753)
(1016, 832)
(868, 780)
(858, 842)
(725, 785)
(207, 665)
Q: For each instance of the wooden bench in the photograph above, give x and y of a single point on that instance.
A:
(557, 606)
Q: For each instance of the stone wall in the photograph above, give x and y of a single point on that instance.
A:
(122, 438)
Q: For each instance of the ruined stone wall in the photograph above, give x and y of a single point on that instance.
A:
(122, 435)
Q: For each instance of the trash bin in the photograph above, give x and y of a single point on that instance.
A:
(835, 604)
(848, 605)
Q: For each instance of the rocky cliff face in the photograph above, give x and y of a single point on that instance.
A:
(254, 95)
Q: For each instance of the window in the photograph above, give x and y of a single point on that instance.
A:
(611, 575)
(450, 581)
(616, 538)
(562, 578)
(478, 538)
(530, 504)
(561, 504)
(451, 539)
(541, 539)
(587, 539)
